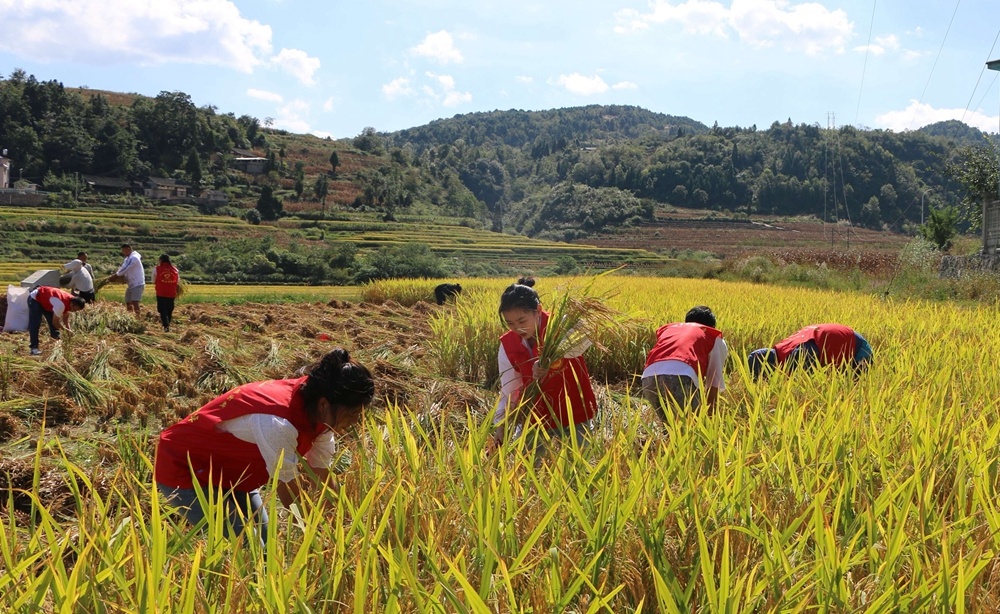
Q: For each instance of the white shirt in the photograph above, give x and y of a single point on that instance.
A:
(58, 307)
(83, 279)
(132, 269)
(277, 440)
(511, 383)
(714, 377)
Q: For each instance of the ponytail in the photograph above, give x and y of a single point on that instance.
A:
(339, 380)
(520, 295)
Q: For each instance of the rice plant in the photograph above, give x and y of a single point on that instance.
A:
(809, 491)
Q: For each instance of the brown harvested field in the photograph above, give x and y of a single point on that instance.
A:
(798, 240)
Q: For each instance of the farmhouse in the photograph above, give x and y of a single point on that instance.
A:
(252, 166)
(108, 185)
(162, 188)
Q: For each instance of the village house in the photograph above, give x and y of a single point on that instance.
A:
(162, 188)
(109, 185)
(247, 161)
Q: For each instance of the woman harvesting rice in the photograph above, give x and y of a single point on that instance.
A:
(238, 441)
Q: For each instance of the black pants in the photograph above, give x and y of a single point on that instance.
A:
(35, 315)
(165, 307)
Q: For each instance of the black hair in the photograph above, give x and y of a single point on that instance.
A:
(520, 295)
(81, 255)
(126, 246)
(339, 380)
(165, 259)
(78, 302)
(701, 315)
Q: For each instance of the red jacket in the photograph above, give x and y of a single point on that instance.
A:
(47, 294)
(219, 458)
(688, 342)
(166, 277)
(836, 343)
(566, 389)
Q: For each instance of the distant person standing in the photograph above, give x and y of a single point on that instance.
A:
(135, 278)
(165, 279)
(82, 281)
(816, 345)
(54, 305)
(686, 356)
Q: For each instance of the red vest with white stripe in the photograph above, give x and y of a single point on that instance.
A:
(566, 390)
(836, 343)
(46, 294)
(219, 458)
(688, 342)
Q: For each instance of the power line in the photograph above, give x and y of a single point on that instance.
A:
(864, 69)
(938, 57)
(973, 94)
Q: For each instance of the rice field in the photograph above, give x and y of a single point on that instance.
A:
(807, 492)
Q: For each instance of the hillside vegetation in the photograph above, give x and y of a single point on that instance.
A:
(578, 175)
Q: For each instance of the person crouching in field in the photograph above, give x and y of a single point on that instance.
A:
(54, 305)
(685, 356)
(238, 441)
(566, 404)
(165, 280)
(815, 345)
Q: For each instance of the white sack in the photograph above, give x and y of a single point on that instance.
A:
(17, 309)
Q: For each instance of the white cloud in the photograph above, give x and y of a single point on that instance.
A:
(139, 31)
(264, 95)
(446, 91)
(625, 85)
(805, 26)
(439, 46)
(889, 42)
(397, 88)
(524, 79)
(918, 114)
(328, 105)
(582, 86)
(297, 63)
(291, 116)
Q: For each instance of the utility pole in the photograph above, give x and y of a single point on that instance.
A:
(922, 194)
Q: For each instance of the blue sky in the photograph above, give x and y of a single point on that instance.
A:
(333, 67)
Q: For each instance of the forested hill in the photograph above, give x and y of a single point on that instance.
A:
(550, 129)
(958, 132)
(559, 174)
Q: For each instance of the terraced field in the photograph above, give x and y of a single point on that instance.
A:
(38, 237)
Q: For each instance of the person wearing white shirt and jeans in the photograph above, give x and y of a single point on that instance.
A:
(135, 278)
(82, 282)
(686, 356)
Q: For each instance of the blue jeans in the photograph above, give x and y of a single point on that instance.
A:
(35, 315)
(240, 506)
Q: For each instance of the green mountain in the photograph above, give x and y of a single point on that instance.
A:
(562, 174)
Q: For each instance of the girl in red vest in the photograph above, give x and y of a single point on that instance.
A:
(815, 345)
(566, 404)
(237, 442)
(166, 277)
(54, 305)
(685, 356)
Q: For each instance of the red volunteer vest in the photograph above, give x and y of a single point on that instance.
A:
(166, 277)
(567, 397)
(688, 342)
(47, 294)
(219, 458)
(836, 343)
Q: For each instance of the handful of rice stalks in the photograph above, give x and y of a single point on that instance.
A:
(110, 279)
